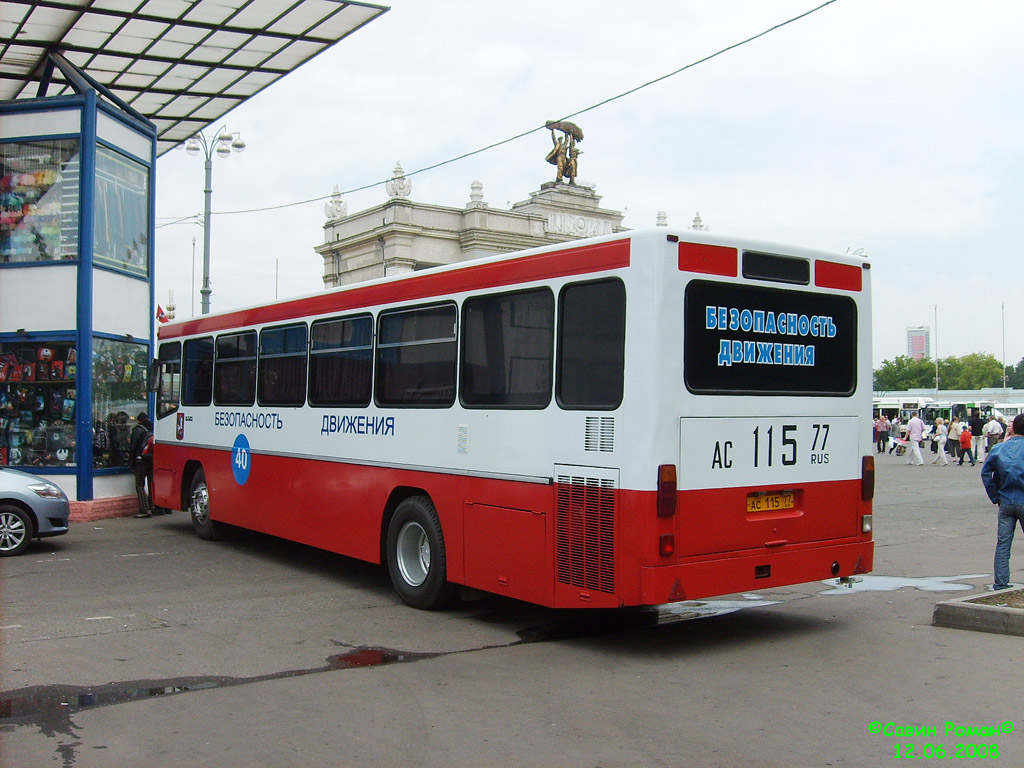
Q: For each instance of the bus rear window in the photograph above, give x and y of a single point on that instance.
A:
(743, 339)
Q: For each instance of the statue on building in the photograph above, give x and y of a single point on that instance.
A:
(399, 187)
(335, 208)
(564, 152)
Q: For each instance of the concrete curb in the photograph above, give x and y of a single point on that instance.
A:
(964, 613)
(104, 509)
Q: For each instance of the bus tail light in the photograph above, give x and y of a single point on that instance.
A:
(867, 523)
(666, 490)
(667, 545)
(867, 478)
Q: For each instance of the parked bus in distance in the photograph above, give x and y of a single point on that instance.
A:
(635, 419)
(1008, 410)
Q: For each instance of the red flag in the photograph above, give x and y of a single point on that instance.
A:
(161, 316)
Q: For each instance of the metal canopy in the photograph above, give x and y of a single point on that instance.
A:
(180, 63)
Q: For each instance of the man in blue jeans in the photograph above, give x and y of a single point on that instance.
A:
(1003, 476)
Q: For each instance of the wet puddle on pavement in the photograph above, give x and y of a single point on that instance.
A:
(51, 707)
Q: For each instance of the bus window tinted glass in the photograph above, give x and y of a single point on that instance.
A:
(169, 390)
(282, 379)
(197, 387)
(234, 374)
(341, 362)
(416, 353)
(507, 350)
(591, 344)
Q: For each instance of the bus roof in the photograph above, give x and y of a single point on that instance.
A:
(578, 257)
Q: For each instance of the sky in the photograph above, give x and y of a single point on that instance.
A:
(892, 129)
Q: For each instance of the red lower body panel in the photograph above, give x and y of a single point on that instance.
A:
(558, 545)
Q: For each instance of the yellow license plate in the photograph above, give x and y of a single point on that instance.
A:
(769, 502)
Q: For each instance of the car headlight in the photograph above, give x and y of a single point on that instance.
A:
(47, 491)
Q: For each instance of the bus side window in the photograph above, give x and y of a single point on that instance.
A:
(234, 370)
(416, 352)
(507, 350)
(168, 391)
(282, 366)
(341, 362)
(197, 375)
(591, 345)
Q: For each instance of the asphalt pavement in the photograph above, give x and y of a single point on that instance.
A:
(132, 642)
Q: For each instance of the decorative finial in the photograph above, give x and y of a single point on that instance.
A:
(476, 194)
(335, 208)
(399, 187)
(698, 223)
(662, 219)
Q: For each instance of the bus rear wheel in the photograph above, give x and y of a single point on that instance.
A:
(416, 555)
(199, 508)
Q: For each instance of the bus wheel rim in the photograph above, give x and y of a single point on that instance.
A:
(412, 551)
(201, 505)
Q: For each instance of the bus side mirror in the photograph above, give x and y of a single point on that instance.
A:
(154, 376)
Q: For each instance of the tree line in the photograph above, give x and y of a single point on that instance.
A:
(973, 371)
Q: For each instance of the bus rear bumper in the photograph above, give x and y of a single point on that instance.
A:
(753, 572)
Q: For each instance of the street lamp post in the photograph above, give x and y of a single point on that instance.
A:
(224, 144)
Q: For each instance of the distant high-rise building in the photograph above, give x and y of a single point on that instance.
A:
(919, 345)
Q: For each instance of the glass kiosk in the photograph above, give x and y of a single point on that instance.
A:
(76, 286)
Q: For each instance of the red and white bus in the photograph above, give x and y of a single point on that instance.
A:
(628, 420)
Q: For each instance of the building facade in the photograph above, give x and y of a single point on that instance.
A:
(400, 235)
(919, 346)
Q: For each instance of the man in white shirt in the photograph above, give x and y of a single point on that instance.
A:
(993, 433)
(915, 433)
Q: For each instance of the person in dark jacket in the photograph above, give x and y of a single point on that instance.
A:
(1003, 476)
(977, 428)
(141, 461)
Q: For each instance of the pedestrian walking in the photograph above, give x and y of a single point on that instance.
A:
(915, 433)
(882, 433)
(1003, 476)
(939, 437)
(977, 433)
(955, 428)
(965, 446)
(993, 433)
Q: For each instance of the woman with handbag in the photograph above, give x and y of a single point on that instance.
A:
(939, 442)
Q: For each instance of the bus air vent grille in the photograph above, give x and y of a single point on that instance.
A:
(600, 434)
(585, 532)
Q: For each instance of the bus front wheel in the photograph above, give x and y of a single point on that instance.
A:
(416, 555)
(199, 508)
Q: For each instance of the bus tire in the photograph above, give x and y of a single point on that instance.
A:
(416, 555)
(199, 508)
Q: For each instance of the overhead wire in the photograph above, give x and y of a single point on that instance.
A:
(524, 134)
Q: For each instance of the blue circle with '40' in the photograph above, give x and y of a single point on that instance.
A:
(241, 459)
